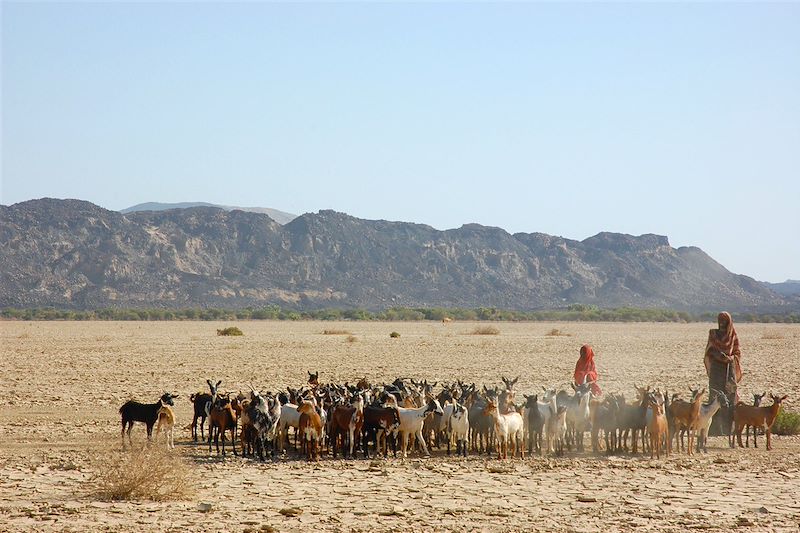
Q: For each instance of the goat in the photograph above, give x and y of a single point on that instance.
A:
(379, 422)
(481, 425)
(557, 429)
(264, 414)
(199, 401)
(222, 418)
(632, 419)
(685, 416)
(578, 415)
(347, 421)
(707, 412)
(657, 426)
(310, 427)
(549, 409)
(166, 419)
(133, 411)
(507, 427)
(533, 423)
(758, 418)
(756, 403)
(458, 429)
(605, 416)
(411, 421)
(290, 417)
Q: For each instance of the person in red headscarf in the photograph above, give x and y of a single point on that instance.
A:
(724, 369)
(585, 369)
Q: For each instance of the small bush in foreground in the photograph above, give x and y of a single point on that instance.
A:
(232, 331)
(150, 473)
(394, 335)
(787, 423)
(486, 330)
(336, 332)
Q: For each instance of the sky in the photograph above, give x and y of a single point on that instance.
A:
(678, 119)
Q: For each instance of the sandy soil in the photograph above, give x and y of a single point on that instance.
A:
(62, 383)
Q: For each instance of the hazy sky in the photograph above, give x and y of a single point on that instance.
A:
(569, 119)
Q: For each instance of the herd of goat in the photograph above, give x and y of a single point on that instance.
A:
(410, 414)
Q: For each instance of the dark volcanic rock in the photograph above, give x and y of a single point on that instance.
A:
(70, 253)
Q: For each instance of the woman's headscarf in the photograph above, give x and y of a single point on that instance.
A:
(725, 340)
(585, 368)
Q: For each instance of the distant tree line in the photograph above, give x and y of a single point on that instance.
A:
(573, 313)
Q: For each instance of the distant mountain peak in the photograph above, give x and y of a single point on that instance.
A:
(280, 217)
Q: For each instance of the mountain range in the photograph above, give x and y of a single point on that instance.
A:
(74, 254)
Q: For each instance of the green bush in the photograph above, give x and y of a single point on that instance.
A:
(231, 331)
(394, 335)
(786, 423)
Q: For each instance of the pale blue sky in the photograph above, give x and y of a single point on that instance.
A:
(569, 119)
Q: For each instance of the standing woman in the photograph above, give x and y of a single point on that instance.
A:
(586, 370)
(723, 367)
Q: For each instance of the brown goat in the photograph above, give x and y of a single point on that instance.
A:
(685, 415)
(310, 429)
(222, 418)
(657, 427)
(758, 418)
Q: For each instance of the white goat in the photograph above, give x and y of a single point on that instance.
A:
(507, 427)
(557, 429)
(411, 421)
(290, 417)
(548, 409)
(458, 429)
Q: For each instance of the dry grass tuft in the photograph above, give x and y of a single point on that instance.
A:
(231, 331)
(149, 473)
(486, 330)
(772, 335)
(557, 333)
(352, 338)
(336, 332)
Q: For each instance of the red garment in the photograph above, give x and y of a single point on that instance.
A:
(724, 342)
(585, 368)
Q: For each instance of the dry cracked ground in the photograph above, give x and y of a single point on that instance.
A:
(62, 383)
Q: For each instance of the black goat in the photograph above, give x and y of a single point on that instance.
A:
(199, 400)
(133, 411)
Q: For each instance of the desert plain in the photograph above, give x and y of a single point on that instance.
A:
(63, 382)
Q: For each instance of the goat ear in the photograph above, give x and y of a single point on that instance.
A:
(784, 397)
(209, 383)
(219, 383)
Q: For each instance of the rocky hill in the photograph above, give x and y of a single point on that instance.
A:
(74, 254)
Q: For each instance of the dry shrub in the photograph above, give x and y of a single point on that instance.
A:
(557, 333)
(352, 338)
(786, 423)
(231, 331)
(148, 473)
(336, 332)
(486, 330)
